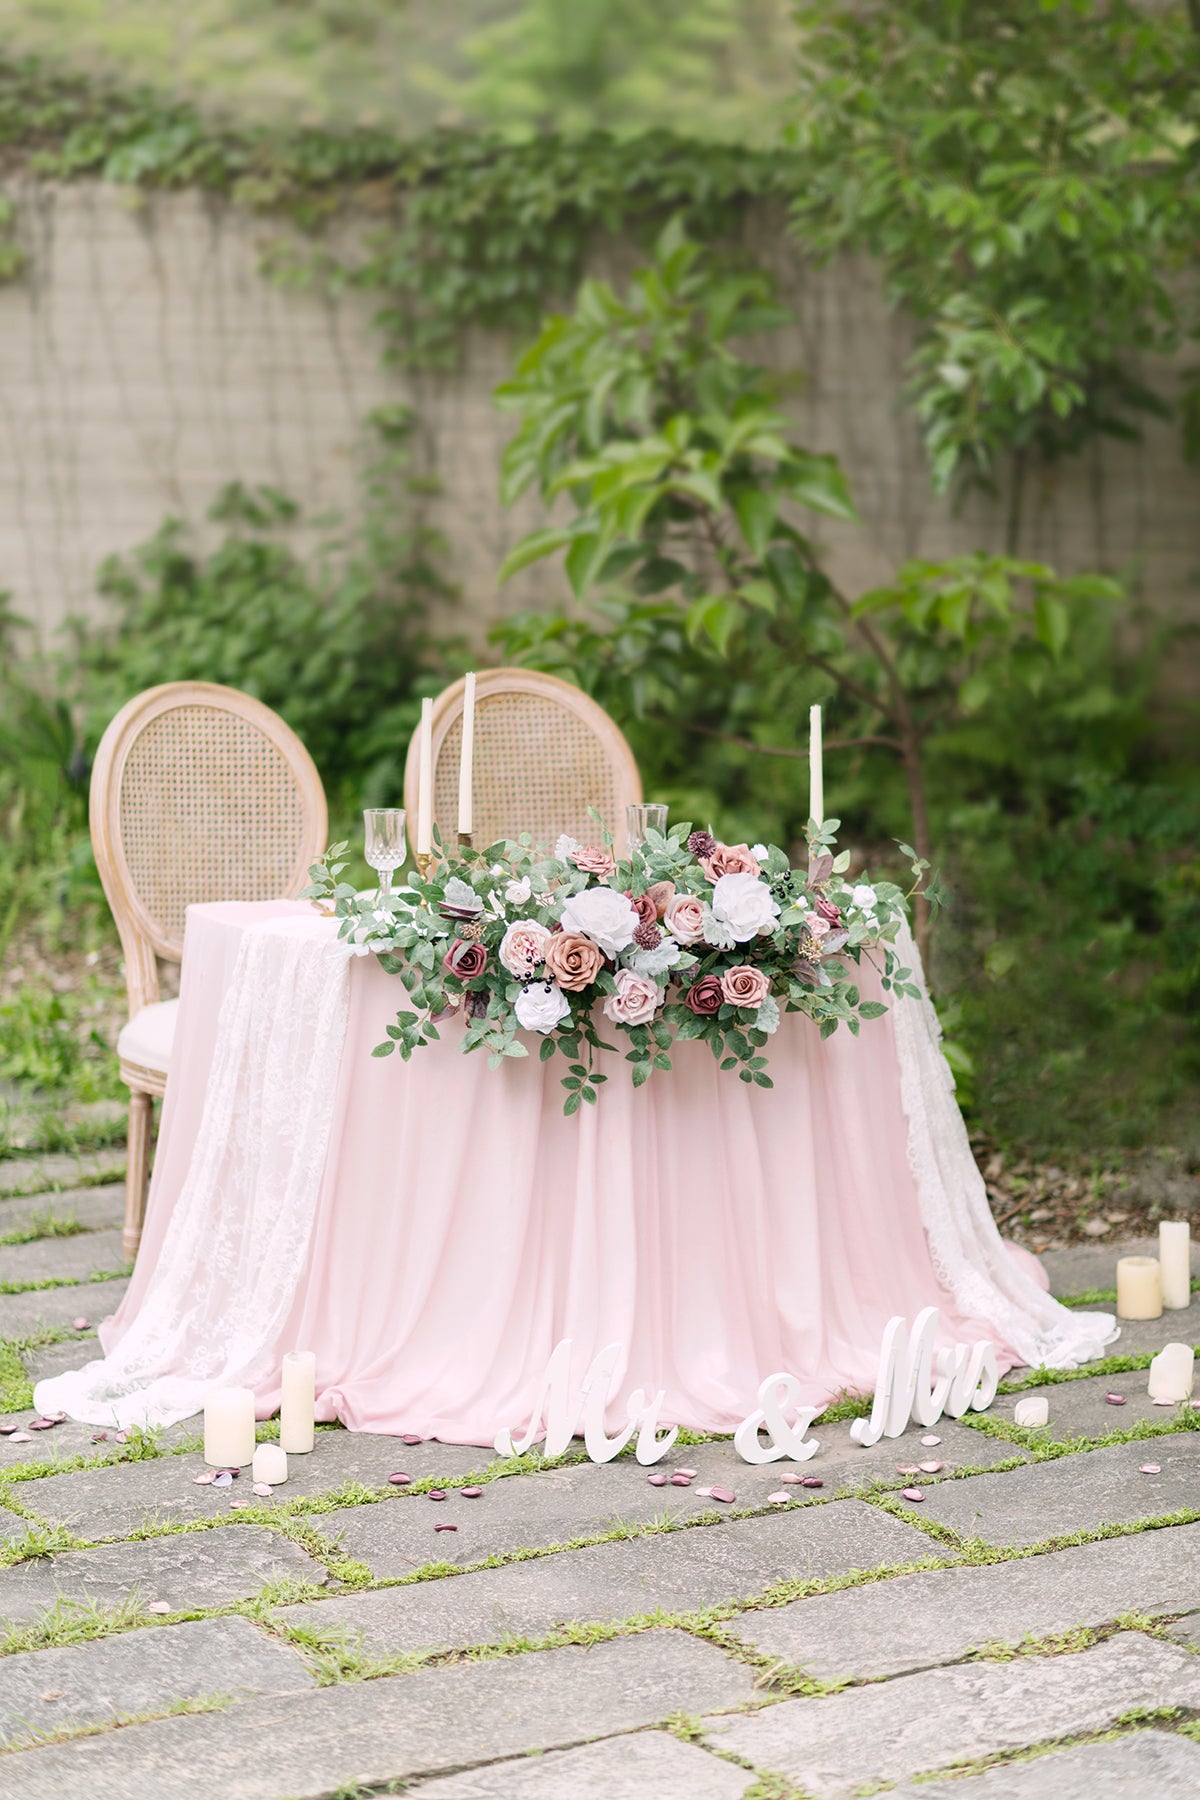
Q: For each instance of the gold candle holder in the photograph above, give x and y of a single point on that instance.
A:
(427, 862)
(464, 841)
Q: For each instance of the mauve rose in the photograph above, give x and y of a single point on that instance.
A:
(595, 859)
(704, 997)
(730, 859)
(573, 960)
(635, 1001)
(661, 894)
(684, 918)
(465, 960)
(523, 946)
(643, 906)
(828, 911)
(745, 986)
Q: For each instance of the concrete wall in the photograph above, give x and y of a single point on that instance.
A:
(144, 361)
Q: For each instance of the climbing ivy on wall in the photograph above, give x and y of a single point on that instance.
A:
(464, 229)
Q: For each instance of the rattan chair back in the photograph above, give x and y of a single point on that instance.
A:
(545, 754)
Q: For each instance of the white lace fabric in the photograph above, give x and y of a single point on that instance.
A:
(237, 1243)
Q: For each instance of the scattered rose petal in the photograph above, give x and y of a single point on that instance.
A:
(931, 1468)
(20, 1437)
(53, 1694)
(399, 1479)
(1150, 1469)
(55, 1418)
(100, 1437)
(657, 1480)
(690, 1473)
(42, 1424)
(724, 1496)
(120, 1437)
(159, 1606)
(222, 1479)
(7, 1431)
(262, 1490)
(205, 1478)
(410, 1437)
(780, 1499)
(445, 1528)
(811, 1481)
(931, 1439)
(437, 1493)
(238, 1505)
(795, 1480)
(705, 1492)
(471, 1493)
(231, 1472)
(80, 1324)
(907, 1469)
(912, 1494)
(1115, 1399)
(681, 1481)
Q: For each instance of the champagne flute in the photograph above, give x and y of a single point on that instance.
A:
(385, 845)
(641, 819)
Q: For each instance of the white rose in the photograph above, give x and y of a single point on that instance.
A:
(566, 846)
(864, 896)
(603, 915)
(759, 852)
(744, 903)
(541, 1007)
(518, 892)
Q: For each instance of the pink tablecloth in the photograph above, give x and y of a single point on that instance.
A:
(462, 1225)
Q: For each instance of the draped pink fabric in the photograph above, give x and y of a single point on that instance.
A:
(463, 1226)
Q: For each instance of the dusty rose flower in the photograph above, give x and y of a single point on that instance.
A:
(730, 859)
(661, 894)
(828, 911)
(573, 960)
(595, 859)
(643, 906)
(465, 960)
(684, 918)
(635, 1001)
(705, 997)
(745, 986)
(523, 946)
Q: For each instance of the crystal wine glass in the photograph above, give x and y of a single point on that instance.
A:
(641, 819)
(385, 847)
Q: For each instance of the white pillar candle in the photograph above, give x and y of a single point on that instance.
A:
(229, 1427)
(425, 780)
(1172, 1373)
(1175, 1261)
(1033, 1411)
(297, 1410)
(816, 773)
(466, 764)
(1139, 1288)
(270, 1464)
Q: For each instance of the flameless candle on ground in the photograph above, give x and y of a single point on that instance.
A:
(229, 1427)
(425, 780)
(816, 773)
(1175, 1261)
(297, 1410)
(1172, 1373)
(1139, 1288)
(466, 766)
(270, 1464)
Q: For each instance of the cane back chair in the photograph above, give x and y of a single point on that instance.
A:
(544, 755)
(198, 793)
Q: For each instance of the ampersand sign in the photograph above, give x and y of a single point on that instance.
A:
(777, 1396)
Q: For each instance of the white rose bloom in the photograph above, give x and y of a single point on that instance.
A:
(518, 892)
(864, 896)
(653, 963)
(767, 1017)
(716, 933)
(541, 1007)
(603, 915)
(566, 846)
(744, 904)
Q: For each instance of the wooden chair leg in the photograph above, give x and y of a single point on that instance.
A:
(137, 1171)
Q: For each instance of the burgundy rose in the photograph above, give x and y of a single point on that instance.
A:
(704, 997)
(643, 905)
(828, 911)
(465, 960)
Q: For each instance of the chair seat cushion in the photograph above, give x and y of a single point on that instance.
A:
(148, 1037)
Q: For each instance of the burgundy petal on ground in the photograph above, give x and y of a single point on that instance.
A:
(410, 1437)
(471, 1493)
(399, 1479)
(445, 1527)
(437, 1493)
(724, 1496)
(657, 1480)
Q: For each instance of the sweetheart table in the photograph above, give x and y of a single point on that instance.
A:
(432, 1229)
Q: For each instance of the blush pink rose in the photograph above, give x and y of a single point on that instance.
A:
(730, 859)
(594, 859)
(745, 986)
(684, 918)
(523, 946)
(635, 1001)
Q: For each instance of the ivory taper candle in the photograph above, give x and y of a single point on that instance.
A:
(816, 772)
(229, 1427)
(466, 763)
(425, 780)
(1139, 1288)
(1172, 1373)
(270, 1464)
(297, 1411)
(1175, 1261)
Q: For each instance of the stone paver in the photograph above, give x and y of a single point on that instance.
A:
(56, 1359)
(135, 1671)
(624, 1768)
(1187, 1630)
(835, 1745)
(63, 1258)
(21, 1314)
(1153, 1764)
(12, 1527)
(41, 1174)
(675, 1572)
(917, 1621)
(1081, 1267)
(378, 1731)
(96, 1208)
(190, 1571)
(1076, 1493)
(1079, 1409)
